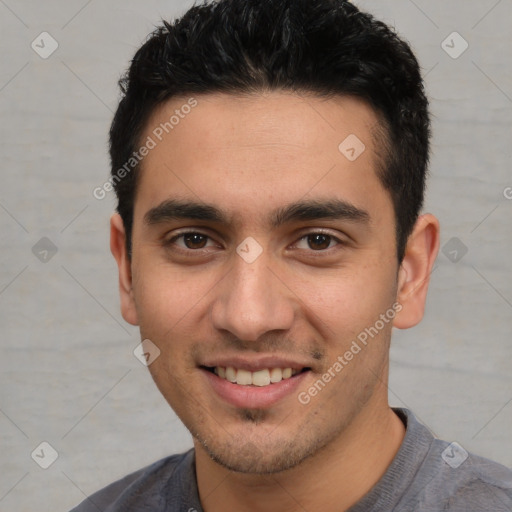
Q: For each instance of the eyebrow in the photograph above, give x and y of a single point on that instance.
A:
(335, 209)
(173, 209)
(309, 210)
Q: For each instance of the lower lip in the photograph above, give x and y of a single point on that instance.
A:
(254, 397)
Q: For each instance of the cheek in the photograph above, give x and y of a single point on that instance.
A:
(167, 306)
(344, 303)
(170, 301)
(161, 297)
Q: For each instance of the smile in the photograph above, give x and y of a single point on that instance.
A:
(263, 377)
(258, 389)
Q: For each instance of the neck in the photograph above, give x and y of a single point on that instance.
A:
(335, 478)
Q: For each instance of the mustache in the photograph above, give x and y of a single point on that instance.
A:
(269, 343)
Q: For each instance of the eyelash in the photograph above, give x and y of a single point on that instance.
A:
(171, 241)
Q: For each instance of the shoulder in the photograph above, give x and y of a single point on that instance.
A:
(458, 481)
(166, 481)
(432, 474)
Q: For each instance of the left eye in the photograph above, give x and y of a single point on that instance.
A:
(317, 242)
(191, 240)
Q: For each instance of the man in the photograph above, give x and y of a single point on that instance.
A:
(269, 159)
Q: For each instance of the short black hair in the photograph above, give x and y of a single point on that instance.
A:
(325, 47)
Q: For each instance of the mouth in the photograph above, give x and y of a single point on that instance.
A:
(258, 378)
(257, 389)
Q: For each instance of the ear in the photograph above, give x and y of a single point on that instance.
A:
(118, 248)
(415, 269)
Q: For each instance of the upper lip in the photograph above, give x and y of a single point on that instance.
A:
(255, 363)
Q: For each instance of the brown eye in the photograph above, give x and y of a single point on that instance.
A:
(318, 241)
(191, 244)
(195, 240)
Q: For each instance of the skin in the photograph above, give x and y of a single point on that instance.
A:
(303, 297)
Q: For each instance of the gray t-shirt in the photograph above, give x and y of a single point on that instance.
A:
(426, 475)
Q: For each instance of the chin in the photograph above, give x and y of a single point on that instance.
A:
(261, 457)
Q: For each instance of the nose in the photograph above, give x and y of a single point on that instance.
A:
(252, 300)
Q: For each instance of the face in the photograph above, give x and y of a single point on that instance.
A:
(260, 246)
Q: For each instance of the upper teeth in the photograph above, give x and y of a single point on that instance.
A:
(259, 378)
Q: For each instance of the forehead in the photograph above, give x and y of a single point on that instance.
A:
(261, 150)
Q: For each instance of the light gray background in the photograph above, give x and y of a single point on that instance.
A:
(68, 374)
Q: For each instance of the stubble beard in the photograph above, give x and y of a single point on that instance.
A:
(269, 453)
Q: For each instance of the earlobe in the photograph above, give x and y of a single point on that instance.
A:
(415, 269)
(118, 249)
